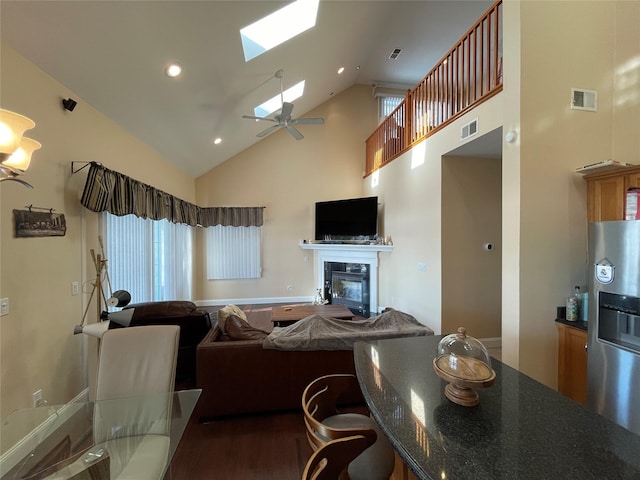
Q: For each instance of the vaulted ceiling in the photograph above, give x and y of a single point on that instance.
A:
(112, 54)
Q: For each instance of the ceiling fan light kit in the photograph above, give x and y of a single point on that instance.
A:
(284, 119)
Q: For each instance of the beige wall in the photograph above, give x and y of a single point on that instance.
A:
(288, 177)
(410, 190)
(626, 83)
(37, 347)
(545, 238)
(471, 218)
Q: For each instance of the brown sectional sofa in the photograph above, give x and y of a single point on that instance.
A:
(194, 324)
(240, 377)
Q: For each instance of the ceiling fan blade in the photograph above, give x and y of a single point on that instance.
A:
(287, 108)
(307, 121)
(266, 132)
(258, 118)
(296, 134)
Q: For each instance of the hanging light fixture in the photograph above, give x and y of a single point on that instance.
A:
(15, 150)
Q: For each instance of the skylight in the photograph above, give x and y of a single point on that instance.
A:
(278, 27)
(275, 103)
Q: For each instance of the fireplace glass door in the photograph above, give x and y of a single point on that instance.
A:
(350, 290)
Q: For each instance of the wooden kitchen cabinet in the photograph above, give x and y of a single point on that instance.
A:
(572, 362)
(633, 180)
(606, 193)
(400, 470)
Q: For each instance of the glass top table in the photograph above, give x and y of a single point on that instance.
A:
(95, 440)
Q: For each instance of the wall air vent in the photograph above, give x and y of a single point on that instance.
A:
(469, 129)
(395, 53)
(582, 99)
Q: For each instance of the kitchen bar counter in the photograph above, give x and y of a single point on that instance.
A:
(520, 430)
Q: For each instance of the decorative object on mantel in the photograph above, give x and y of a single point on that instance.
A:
(464, 362)
(603, 166)
(15, 150)
(319, 299)
(39, 224)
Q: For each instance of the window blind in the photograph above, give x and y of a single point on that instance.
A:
(152, 260)
(233, 252)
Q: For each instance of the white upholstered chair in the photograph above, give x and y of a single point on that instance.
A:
(325, 423)
(134, 362)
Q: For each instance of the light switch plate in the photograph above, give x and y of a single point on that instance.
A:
(4, 307)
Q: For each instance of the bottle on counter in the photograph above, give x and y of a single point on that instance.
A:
(573, 305)
(584, 307)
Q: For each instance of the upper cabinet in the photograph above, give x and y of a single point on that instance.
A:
(606, 193)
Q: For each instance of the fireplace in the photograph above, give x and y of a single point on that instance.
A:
(350, 259)
(348, 284)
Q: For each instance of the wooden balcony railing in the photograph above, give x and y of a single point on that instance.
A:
(469, 74)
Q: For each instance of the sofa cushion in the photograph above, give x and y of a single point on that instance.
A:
(239, 329)
(224, 313)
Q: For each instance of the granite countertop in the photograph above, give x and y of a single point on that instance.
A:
(577, 324)
(520, 430)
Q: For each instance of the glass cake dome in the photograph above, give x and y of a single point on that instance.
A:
(465, 363)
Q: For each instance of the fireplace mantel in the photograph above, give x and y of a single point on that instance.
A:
(348, 247)
(349, 253)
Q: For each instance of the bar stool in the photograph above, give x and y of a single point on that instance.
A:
(330, 461)
(325, 423)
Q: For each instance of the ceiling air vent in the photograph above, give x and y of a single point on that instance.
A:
(584, 99)
(469, 129)
(395, 53)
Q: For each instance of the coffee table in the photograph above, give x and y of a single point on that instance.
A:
(283, 316)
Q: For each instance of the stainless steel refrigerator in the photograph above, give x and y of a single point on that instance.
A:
(614, 322)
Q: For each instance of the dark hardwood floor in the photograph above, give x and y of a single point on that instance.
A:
(252, 447)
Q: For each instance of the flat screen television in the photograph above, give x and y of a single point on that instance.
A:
(350, 219)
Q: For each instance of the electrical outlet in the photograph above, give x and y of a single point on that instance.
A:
(75, 288)
(4, 307)
(37, 398)
(289, 288)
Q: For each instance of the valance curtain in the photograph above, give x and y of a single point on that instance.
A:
(113, 192)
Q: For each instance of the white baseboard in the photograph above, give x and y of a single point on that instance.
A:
(251, 301)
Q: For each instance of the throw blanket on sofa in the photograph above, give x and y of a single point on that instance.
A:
(318, 332)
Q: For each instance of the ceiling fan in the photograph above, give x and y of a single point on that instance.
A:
(283, 118)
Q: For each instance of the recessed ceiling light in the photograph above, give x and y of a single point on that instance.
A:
(217, 141)
(340, 70)
(173, 70)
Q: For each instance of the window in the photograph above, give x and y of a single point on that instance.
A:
(386, 105)
(151, 259)
(278, 27)
(233, 252)
(275, 103)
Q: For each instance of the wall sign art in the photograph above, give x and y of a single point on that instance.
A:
(44, 223)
